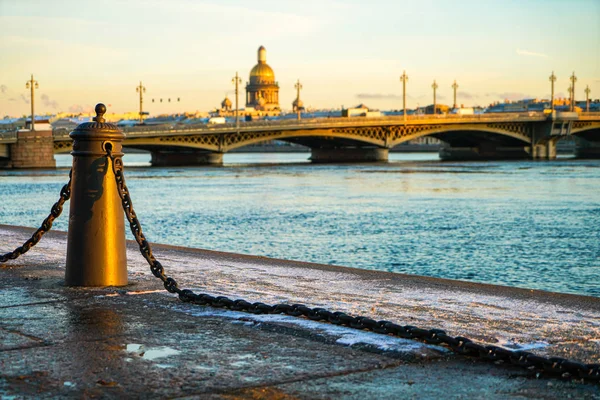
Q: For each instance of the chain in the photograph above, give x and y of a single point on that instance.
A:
(458, 344)
(55, 211)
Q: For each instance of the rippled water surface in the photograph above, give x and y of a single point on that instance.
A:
(526, 224)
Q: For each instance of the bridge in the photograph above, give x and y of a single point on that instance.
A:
(356, 139)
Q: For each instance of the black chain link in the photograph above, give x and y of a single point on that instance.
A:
(461, 345)
(55, 211)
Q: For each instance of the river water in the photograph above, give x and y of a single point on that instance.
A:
(525, 224)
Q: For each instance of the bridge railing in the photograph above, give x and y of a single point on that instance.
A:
(326, 123)
(321, 122)
(595, 115)
(8, 136)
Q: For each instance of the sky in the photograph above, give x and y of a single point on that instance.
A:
(344, 52)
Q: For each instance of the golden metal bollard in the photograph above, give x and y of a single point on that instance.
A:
(96, 239)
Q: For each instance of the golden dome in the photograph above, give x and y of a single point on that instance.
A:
(298, 103)
(262, 73)
(226, 103)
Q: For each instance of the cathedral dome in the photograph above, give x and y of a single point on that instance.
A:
(226, 103)
(262, 90)
(297, 104)
(262, 72)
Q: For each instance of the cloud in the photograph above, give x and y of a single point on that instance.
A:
(531, 53)
(49, 103)
(513, 96)
(59, 47)
(12, 99)
(80, 108)
(440, 97)
(25, 99)
(465, 95)
(378, 96)
(3, 89)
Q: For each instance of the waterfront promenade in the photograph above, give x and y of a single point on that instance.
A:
(140, 342)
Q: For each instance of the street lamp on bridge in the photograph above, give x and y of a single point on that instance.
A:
(552, 80)
(403, 79)
(587, 98)
(573, 80)
(32, 84)
(236, 80)
(298, 103)
(454, 86)
(141, 90)
(434, 86)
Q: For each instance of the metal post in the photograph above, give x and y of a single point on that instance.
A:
(573, 80)
(298, 86)
(403, 79)
(236, 81)
(552, 80)
(32, 84)
(141, 90)
(587, 98)
(434, 86)
(570, 91)
(454, 86)
(96, 238)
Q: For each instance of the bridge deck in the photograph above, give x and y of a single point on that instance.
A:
(320, 123)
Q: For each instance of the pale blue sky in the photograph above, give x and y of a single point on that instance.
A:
(344, 52)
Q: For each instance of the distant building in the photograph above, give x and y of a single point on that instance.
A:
(360, 110)
(439, 109)
(41, 124)
(298, 105)
(262, 91)
(524, 105)
(226, 104)
(536, 105)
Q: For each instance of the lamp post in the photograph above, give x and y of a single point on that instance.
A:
(32, 84)
(587, 98)
(454, 86)
(434, 86)
(236, 80)
(298, 86)
(403, 79)
(141, 90)
(552, 80)
(573, 80)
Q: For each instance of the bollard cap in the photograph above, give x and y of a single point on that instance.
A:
(99, 129)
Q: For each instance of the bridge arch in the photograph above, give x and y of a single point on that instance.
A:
(235, 141)
(588, 130)
(519, 133)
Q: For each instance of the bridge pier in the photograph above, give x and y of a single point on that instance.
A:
(184, 157)
(33, 149)
(483, 153)
(544, 151)
(349, 155)
(587, 149)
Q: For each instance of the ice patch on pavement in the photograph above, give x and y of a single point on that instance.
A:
(512, 345)
(345, 336)
(159, 352)
(151, 354)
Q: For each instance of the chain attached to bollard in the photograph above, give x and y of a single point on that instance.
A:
(55, 211)
(459, 344)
